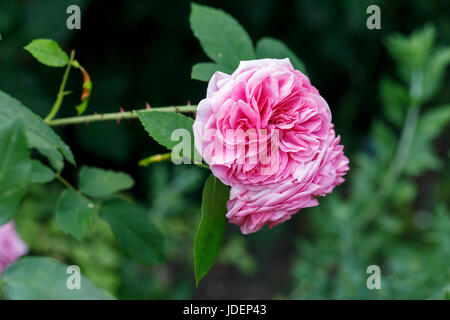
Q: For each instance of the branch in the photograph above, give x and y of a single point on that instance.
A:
(119, 115)
(61, 92)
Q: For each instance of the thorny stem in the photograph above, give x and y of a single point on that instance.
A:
(61, 92)
(119, 115)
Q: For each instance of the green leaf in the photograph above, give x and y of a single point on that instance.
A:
(48, 52)
(434, 71)
(15, 168)
(134, 231)
(74, 213)
(431, 124)
(421, 158)
(403, 192)
(413, 51)
(40, 278)
(38, 133)
(385, 141)
(87, 87)
(276, 49)
(222, 38)
(204, 71)
(81, 108)
(446, 294)
(394, 99)
(40, 173)
(161, 125)
(212, 226)
(99, 183)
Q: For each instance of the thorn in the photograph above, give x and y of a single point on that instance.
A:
(188, 103)
(121, 111)
(177, 110)
(148, 106)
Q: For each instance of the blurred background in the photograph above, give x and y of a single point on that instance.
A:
(142, 51)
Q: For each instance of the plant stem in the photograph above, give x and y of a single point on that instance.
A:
(407, 136)
(118, 115)
(403, 148)
(65, 182)
(61, 92)
(155, 158)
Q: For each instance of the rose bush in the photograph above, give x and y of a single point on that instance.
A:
(266, 132)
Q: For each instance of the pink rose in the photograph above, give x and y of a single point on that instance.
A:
(266, 132)
(267, 99)
(252, 209)
(11, 246)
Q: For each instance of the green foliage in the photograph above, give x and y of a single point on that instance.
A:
(15, 168)
(99, 183)
(430, 125)
(137, 235)
(212, 226)
(74, 213)
(204, 71)
(412, 51)
(377, 223)
(236, 252)
(39, 134)
(384, 140)
(273, 48)
(434, 71)
(40, 173)
(161, 125)
(97, 254)
(395, 99)
(38, 278)
(81, 108)
(225, 41)
(222, 38)
(48, 52)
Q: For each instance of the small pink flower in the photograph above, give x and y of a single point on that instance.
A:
(11, 246)
(266, 132)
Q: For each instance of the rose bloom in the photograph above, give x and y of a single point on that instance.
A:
(251, 209)
(11, 246)
(266, 132)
